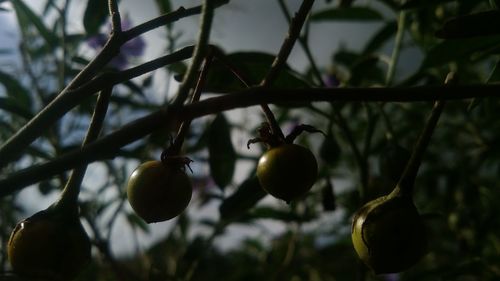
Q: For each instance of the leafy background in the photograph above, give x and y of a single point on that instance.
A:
(457, 187)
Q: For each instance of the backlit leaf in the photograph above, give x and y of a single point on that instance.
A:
(253, 67)
(248, 194)
(357, 14)
(459, 49)
(95, 15)
(472, 25)
(27, 16)
(222, 157)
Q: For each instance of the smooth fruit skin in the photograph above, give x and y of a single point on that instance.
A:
(287, 171)
(388, 234)
(49, 248)
(159, 192)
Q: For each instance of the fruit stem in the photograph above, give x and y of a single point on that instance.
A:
(405, 184)
(271, 120)
(280, 61)
(184, 128)
(199, 52)
(397, 48)
(69, 196)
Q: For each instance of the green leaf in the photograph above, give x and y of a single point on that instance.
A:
(345, 57)
(164, 6)
(495, 74)
(392, 4)
(381, 37)
(136, 221)
(364, 68)
(366, 71)
(248, 194)
(417, 4)
(18, 100)
(27, 16)
(7, 104)
(253, 67)
(95, 15)
(493, 78)
(329, 150)
(357, 14)
(459, 49)
(328, 197)
(479, 24)
(222, 157)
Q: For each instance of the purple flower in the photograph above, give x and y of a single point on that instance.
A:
(391, 277)
(331, 81)
(132, 48)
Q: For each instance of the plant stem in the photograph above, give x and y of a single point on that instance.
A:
(69, 196)
(287, 46)
(280, 61)
(198, 54)
(116, 21)
(304, 44)
(397, 48)
(407, 180)
(184, 128)
(109, 146)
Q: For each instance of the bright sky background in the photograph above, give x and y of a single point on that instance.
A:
(241, 25)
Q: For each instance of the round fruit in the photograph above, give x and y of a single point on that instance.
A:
(49, 246)
(287, 171)
(158, 191)
(388, 234)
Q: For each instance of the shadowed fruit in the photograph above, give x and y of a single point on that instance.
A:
(158, 191)
(50, 246)
(287, 171)
(388, 234)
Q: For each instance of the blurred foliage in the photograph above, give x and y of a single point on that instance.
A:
(457, 188)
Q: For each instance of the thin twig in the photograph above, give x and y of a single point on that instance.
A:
(407, 180)
(69, 196)
(406, 183)
(281, 58)
(287, 46)
(114, 13)
(397, 48)
(108, 79)
(184, 128)
(304, 44)
(199, 53)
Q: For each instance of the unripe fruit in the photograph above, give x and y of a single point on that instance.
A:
(287, 171)
(49, 246)
(158, 191)
(388, 234)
